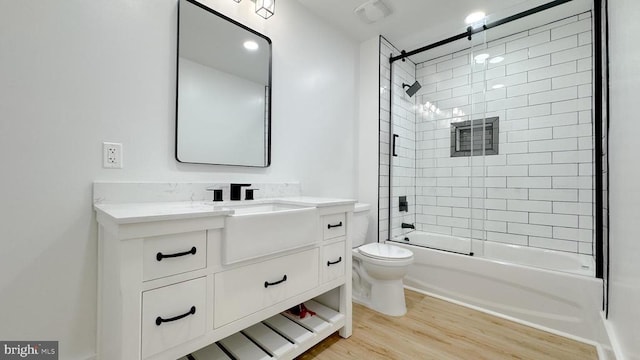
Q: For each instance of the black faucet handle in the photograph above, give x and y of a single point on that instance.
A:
(236, 191)
(248, 194)
(217, 193)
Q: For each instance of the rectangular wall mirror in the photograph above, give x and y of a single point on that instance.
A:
(223, 100)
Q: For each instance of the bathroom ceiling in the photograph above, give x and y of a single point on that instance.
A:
(413, 23)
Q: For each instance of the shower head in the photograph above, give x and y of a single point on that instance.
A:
(412, 89)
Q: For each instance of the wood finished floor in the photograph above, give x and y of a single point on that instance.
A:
(436, 329)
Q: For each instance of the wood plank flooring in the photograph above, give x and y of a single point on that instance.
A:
(436, 329)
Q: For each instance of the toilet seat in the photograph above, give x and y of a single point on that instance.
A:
(385, 252)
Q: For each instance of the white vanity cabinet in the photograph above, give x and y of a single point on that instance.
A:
(165, 291)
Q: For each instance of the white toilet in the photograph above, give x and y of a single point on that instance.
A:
(378, 269)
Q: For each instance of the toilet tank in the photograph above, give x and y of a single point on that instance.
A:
(360, 224)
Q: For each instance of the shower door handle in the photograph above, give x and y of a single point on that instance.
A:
(394, 144)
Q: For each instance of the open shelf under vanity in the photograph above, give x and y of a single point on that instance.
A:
(283, 336)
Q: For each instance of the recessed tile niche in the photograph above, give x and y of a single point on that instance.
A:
(475, 137)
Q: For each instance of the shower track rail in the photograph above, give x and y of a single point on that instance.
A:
(472, 31)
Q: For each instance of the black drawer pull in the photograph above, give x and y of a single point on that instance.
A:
(160, 320)
(329, 263)
(160, 256)
(329, 226)
(267, 284)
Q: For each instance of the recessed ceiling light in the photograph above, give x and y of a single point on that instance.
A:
(496, 59)
(251, 45)
(497, 86)
(480, 58)
(474, 17)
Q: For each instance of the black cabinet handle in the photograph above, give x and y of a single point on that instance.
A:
(160, 256)
(267, 284)
(329, 263)
(394, 144)
(160, 320)
(329, 226)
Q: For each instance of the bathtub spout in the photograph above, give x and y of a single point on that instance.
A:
(408, 226)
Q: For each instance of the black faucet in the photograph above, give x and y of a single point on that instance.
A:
(408, 226)
(236, 191)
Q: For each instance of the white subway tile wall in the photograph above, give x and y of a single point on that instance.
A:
(539, 190)
(383, 193)
(403, 167)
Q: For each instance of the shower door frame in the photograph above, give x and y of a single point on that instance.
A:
(598, 101)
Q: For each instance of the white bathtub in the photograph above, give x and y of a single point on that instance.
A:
(541, 258)
(563, 302)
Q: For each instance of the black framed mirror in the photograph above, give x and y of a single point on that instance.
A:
(223, 97)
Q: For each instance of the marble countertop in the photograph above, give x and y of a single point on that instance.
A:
(125, 213)
(291, 200)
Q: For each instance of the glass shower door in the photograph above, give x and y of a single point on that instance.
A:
(487, 109)
(495, 151)
(433, 171)
(402, 151)
(539, 186)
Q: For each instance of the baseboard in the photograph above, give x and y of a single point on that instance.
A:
(613, 339)
(510, 318)
(602, 354)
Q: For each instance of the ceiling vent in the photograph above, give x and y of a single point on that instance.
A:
(372, 11)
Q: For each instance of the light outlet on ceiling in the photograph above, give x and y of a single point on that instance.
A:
(111, 155)
(372, 11)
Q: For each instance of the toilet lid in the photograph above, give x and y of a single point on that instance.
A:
(384, 251)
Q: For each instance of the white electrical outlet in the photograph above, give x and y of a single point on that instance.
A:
(111, 155)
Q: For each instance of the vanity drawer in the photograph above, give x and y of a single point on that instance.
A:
(333, 261)
(334, 226)
(172, 315)
(174, 254)
(245, 290)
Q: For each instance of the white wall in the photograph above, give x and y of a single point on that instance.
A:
(624, 176)
(76, 73)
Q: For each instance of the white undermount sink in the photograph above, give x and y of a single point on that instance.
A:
(260, 229)
(245, 209)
